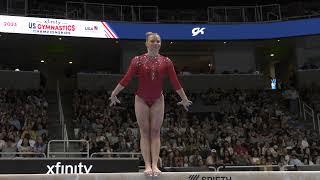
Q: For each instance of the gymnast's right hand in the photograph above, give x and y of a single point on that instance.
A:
(113, 100)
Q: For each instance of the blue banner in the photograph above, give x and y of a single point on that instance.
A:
(218, 31)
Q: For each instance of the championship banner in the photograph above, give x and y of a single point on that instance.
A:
(57, 27)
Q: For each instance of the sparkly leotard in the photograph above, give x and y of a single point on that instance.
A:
(150, 72)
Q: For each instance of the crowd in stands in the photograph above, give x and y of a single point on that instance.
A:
(308, 65)
(23, 121)
(186, 70)
(245, 127)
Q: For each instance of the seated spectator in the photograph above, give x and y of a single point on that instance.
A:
(10, 147)
(212, 158)
(25, 147)
(39, 147)
(255, 158)
(294, 160)
(239, 148)
(28, 130)
(195, 158)
(2, 142)
(26, 141)
(40, 130)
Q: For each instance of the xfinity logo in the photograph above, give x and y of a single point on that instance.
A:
(68, 169)
(197, 177)
(197, 30)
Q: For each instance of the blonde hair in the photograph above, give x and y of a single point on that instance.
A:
(151, 34)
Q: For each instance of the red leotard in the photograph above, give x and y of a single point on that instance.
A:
(150, 72)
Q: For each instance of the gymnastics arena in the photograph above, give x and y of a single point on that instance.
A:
(123, 90)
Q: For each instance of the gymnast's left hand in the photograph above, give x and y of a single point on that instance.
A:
(185, 103)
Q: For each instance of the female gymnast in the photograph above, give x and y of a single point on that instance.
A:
(150, 69)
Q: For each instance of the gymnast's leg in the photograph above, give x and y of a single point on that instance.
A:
(156, 119)
(142, 115)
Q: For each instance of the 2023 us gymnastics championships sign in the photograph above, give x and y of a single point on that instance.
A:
(126, 30)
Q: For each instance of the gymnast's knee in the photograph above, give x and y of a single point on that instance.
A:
(155, 133)
(144, 131)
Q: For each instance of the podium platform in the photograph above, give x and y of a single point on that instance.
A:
(265, 175)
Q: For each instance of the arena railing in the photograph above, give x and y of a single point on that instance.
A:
(116, 12)
(307, 110)
(318, 119)
(249, 168)
(64, 132)
(301, 17)
(61, 115)
(300, 102)
(66, 152)
(188, 169)
(271, 168)
(229, 14)
(66, 144)
(244, 168)
(315, 167)
(117, 154)
(43, 155)
(113, 12)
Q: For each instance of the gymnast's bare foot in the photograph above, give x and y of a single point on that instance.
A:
(156, 171)
(148, 171)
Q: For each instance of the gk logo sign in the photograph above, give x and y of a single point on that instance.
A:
(196, 31)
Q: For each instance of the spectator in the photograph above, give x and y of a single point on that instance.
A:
(294, 160)
(25, 147)
(39, 147)
(10, 147)
(212, 158)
